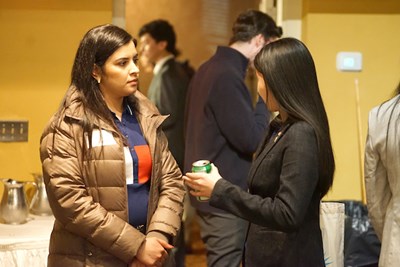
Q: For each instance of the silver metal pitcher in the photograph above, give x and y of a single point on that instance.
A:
(14, 206)
(40, 204)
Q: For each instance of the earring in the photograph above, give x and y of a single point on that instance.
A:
(98, 80)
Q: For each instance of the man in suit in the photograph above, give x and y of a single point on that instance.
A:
(170, 81)
(167, 90)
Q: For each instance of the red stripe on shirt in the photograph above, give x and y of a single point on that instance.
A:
(144, 166)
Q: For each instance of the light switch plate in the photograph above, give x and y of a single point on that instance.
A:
(13, 130)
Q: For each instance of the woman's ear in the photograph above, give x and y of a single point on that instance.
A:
(96, 73)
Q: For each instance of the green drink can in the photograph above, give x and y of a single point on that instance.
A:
(202, 166)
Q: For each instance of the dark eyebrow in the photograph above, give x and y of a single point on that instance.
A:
(122, 58)
(127, 58)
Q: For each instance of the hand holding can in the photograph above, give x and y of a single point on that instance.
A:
(201, 166)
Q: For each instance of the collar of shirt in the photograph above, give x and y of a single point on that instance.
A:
(160, 63)
(233, 57)
(127, 110)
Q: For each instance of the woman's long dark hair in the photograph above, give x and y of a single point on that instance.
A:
(98, 44)
(289, 72)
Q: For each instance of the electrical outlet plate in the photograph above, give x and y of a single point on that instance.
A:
(13, 130)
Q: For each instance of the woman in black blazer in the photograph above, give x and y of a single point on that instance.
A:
(293, 168)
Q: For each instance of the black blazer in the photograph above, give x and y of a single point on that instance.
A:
(282, 204)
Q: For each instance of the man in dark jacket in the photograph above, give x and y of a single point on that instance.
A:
(170, 81)
(225, 128)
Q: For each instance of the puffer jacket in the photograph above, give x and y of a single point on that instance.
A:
(89, 199)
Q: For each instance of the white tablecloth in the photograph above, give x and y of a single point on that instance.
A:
(26, 245)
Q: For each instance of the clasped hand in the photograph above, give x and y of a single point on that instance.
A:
(152, 253)
(201, 183)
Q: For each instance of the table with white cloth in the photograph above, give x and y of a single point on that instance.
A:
(26, 244)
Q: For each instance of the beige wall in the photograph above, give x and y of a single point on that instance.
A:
(38, 43)
(377, 37)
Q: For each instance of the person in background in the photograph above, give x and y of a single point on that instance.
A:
(168, 92)
(114, 188)
(170, 81)
(293, 167)
(224, 127)
(382, 172)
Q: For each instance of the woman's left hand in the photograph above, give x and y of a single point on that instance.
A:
(201, 183)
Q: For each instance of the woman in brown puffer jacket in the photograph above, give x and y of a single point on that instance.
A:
(114, 188)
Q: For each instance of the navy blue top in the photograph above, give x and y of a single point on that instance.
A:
(138, 192)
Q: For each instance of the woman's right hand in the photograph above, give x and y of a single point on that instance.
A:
(202, 184)
(153, 252)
